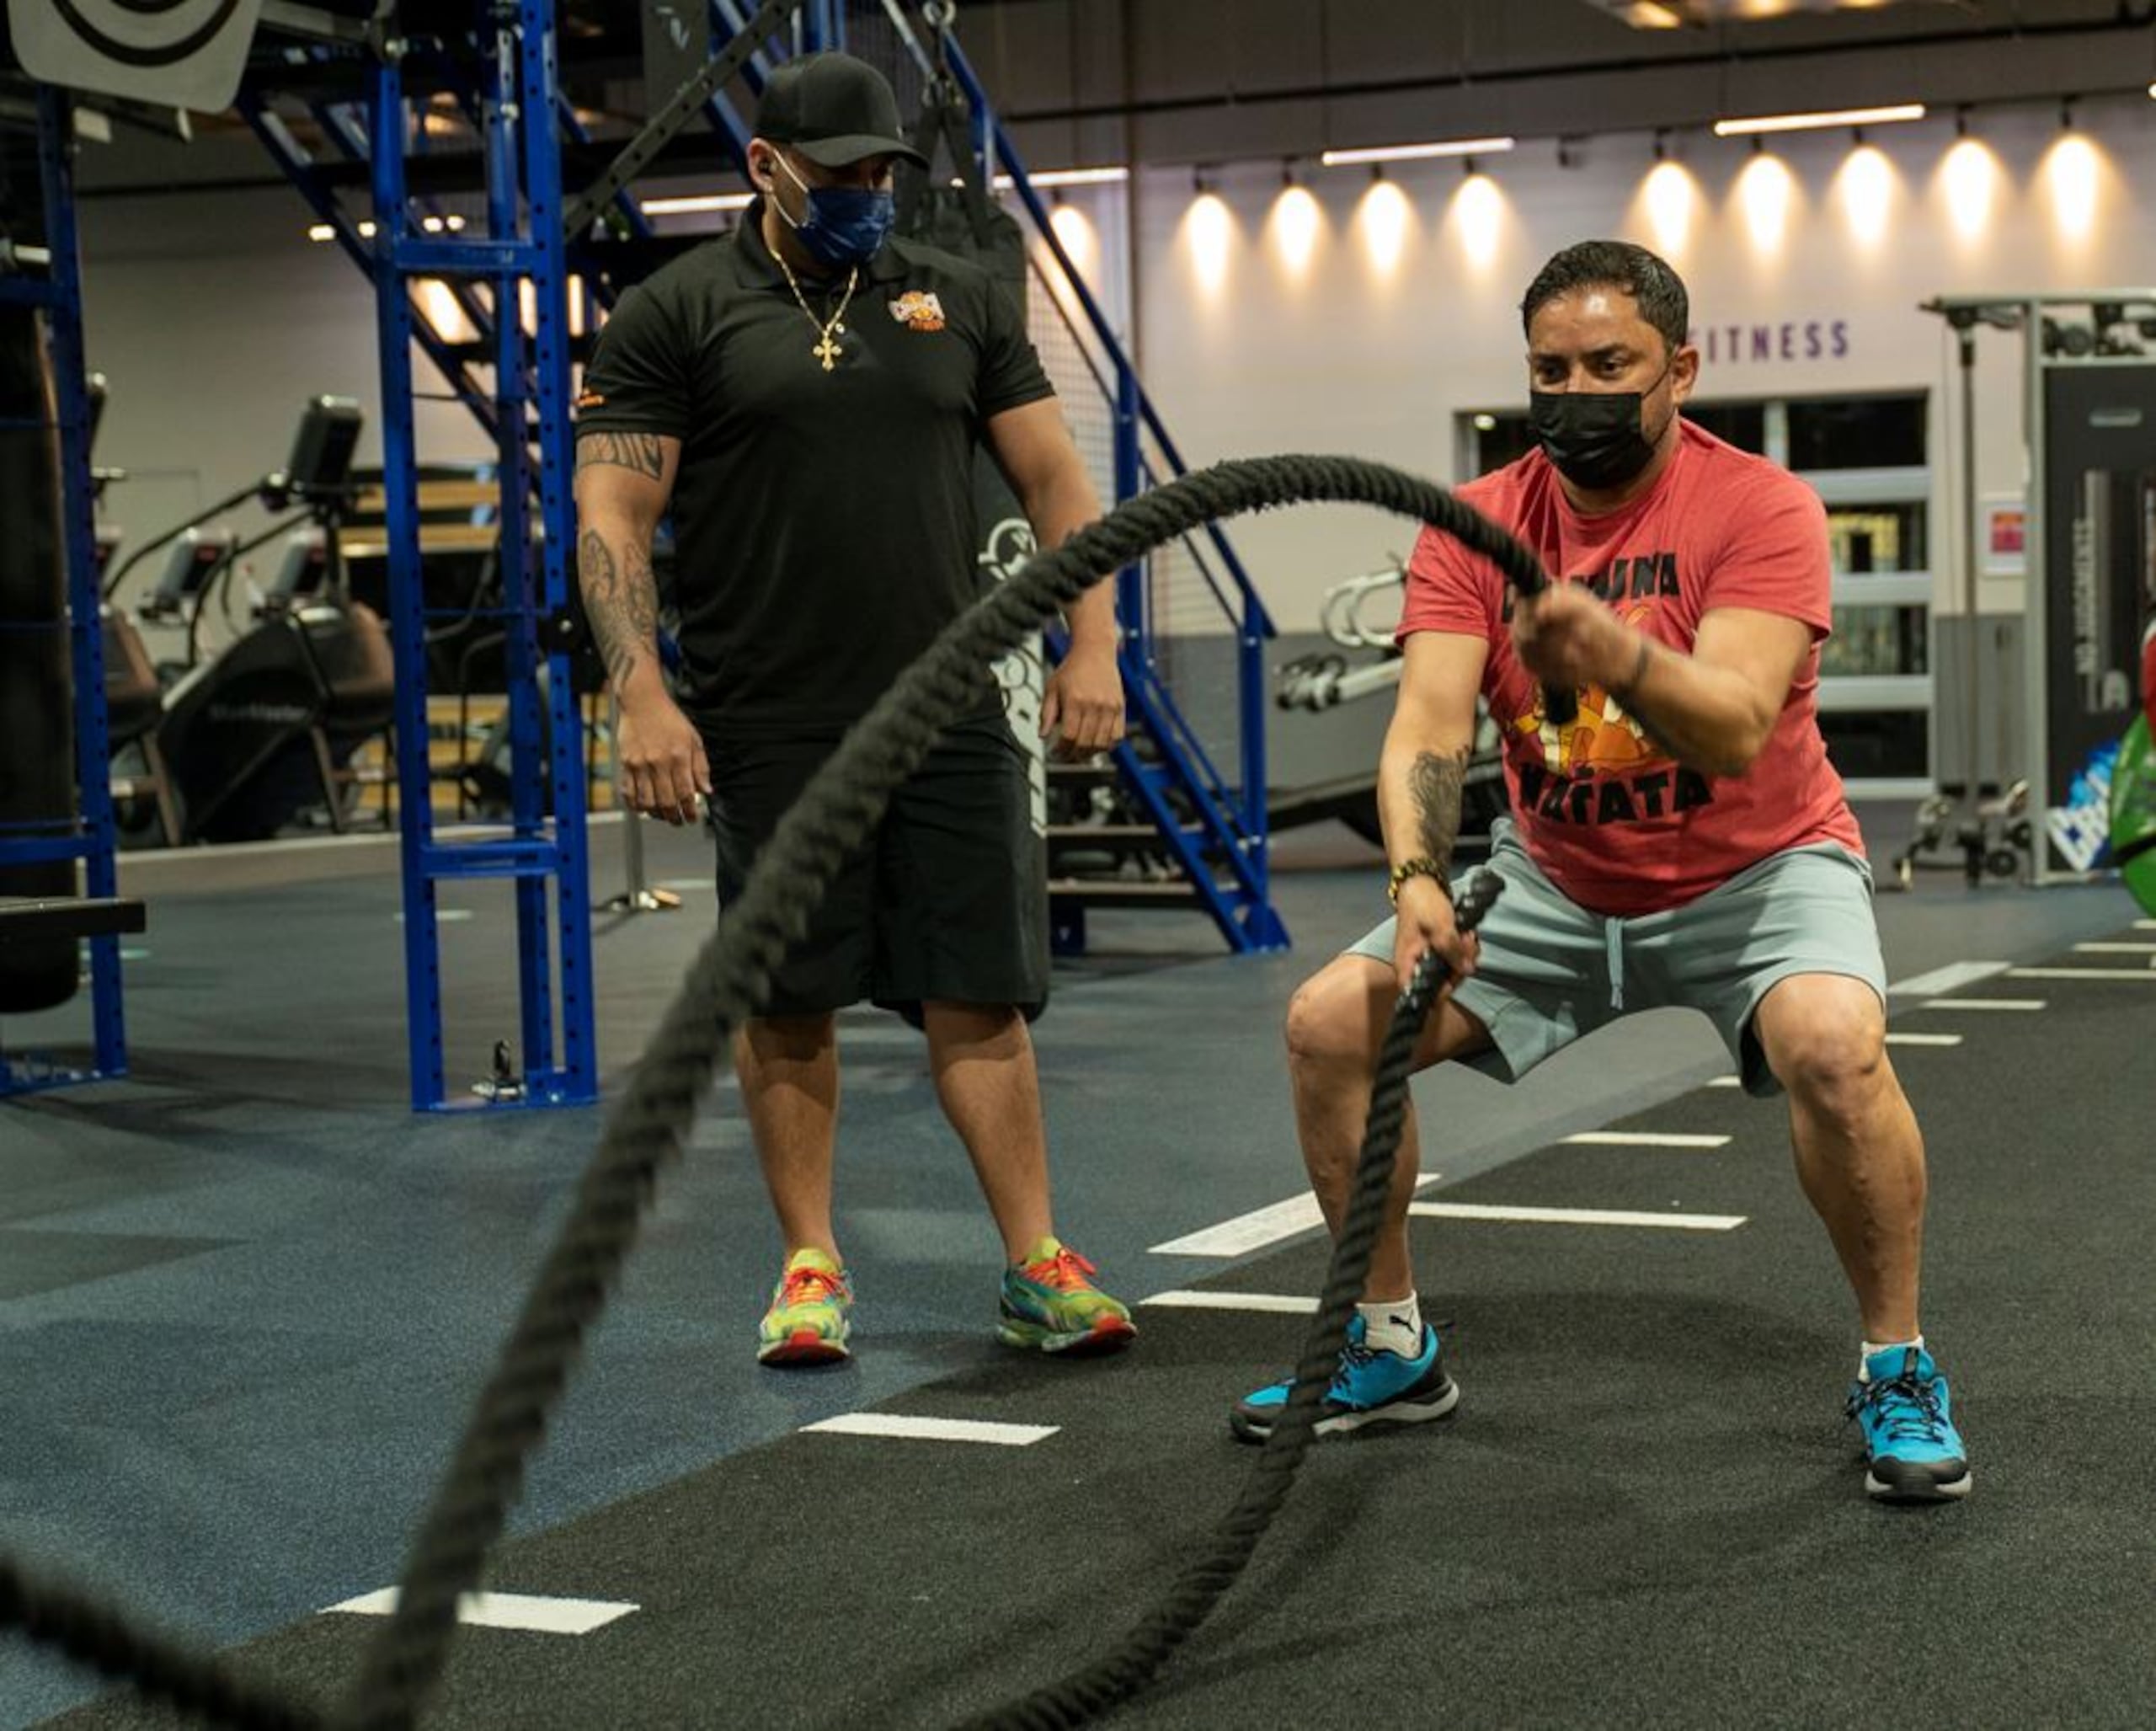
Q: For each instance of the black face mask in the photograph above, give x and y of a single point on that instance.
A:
(1597, 439)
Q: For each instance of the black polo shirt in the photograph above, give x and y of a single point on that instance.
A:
(824, 521)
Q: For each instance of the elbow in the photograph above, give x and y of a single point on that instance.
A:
(1740, 748)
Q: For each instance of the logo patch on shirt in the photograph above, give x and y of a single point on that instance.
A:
(918, 309)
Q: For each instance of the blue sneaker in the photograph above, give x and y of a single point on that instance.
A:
(1371, 1386)
(1913, 1454)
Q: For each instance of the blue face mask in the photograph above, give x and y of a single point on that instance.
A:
(846, 226)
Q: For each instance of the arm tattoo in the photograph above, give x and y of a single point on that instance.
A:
(622, 602)
(640, 452)
(1435, 781)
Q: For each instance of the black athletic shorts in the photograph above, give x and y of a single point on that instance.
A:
(948, 901)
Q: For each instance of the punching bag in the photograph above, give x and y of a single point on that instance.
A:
(37, 750)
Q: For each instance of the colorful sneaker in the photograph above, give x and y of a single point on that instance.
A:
(807, 1321)
(1371, 1386)
(1049, 1304)
(1912, 1452)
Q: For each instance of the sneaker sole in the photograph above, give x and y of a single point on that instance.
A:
(1250, 1430)
(803, 1350)
(1109, 1335)
(1916, 1489)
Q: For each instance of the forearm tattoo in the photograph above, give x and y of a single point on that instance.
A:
(640, 452)
(1435, 782)
(621, 601)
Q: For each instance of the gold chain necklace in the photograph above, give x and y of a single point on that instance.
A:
(825, 350)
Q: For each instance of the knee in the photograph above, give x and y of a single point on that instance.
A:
(788, 1040)
(1325, 1027)
(1835, 1069)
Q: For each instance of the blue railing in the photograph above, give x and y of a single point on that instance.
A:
(91, 838)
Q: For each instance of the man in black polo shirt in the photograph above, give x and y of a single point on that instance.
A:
(808, 394)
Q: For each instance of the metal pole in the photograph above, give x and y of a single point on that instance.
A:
(577, 1079)
(2035, 628)
(92, 740)
(407, 603)
(1972, 553)
(508, 118)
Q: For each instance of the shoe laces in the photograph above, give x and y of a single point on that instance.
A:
(811, 1287)
(1907, 1407)
(1066, 1271)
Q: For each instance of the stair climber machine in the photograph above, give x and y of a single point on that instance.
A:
(1365, 664)
(263, 732)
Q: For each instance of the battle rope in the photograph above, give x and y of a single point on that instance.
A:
(1085, 1695)
(645, 1128)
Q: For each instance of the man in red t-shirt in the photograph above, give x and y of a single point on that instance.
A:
(1683, 841)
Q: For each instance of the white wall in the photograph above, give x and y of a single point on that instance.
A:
(213, 318)
(1343, 359)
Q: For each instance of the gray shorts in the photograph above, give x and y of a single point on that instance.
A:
(1551, 970)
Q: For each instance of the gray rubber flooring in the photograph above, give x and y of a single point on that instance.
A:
(247, 1298)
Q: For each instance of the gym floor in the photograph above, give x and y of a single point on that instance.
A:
(247, 1299)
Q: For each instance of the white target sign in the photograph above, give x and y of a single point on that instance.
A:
(176, 53)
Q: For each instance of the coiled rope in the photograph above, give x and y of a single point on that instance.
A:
(645, 1129)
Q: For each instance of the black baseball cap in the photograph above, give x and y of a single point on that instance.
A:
(833, 109)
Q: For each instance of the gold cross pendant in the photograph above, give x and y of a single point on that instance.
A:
(828, 352)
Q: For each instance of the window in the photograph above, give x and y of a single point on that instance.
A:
(1857, 433)
(1495, 439)
(1872, 538)
(1890, 641)
(1888, 745)
(1743, 424)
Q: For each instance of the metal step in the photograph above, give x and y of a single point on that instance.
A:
(1098, 892)
(1109, 834)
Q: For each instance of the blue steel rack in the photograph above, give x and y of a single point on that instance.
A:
(59, 296)
(525, 410)
(524, 247)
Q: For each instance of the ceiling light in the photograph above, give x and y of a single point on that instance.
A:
(1806, 123)
(1409, 153)
(1068, 177)
(690, 206)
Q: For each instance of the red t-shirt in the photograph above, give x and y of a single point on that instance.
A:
(1616, 824)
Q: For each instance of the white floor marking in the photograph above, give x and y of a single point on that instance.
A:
(2145, 975)
(2116, 950)
(1985, 1003)
(1579, 1217)
(507, 1610)
(1644, 1139)
(1951, 978)
(1285, 1303)
(1260, 1227)
(1923, 1040)
(1727, 1082)
(908, 1425)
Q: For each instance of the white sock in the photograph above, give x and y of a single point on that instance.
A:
(1395, 1325)
(1865, 1351)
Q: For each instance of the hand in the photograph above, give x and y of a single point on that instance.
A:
(1425, 923)
(1084, 701)
(663, 768)
(1567, 639)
